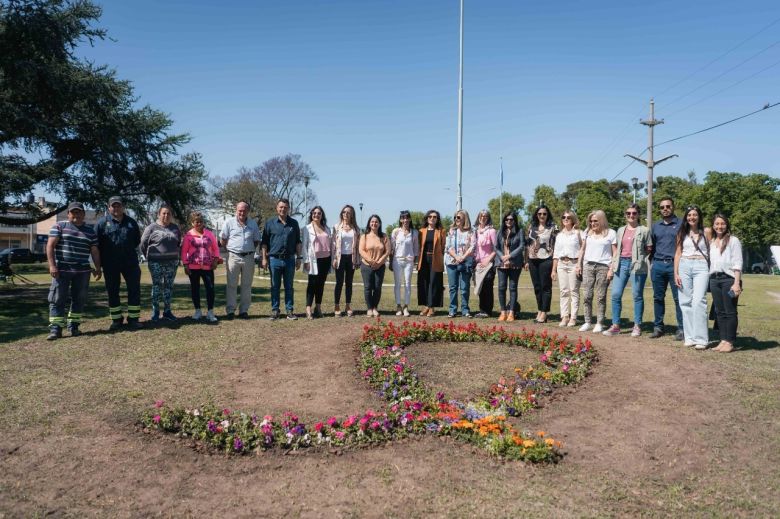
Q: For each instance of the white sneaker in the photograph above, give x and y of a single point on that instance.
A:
(197, 315)
(406, 312)
(398, 311)
(585, 327)
(598, 328)
(636, 331)
(689, 343)
(211, 317)
(701, 346)
(563, 323)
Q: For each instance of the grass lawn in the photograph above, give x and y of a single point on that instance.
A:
(657, 429)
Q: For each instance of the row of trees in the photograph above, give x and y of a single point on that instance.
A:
(751, 202)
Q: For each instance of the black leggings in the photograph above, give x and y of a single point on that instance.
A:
(346, 270)
(317, 282)
(208, 281)
(725, 307)
(486, 292)
(541, 277)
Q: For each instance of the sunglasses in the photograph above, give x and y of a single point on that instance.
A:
(509, 219)
(565, 217)
(631, 213)
(692, 208)
(594, 221)
(457, 217)
(432, 216)
(665, 206)
(541, 214)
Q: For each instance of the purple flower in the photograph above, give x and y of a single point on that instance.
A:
(211, 426)
(238, 445)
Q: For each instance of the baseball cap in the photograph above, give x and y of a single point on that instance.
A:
(76, 205)
(114, 200)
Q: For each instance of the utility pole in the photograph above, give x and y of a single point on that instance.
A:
(501, 192)
(459, 201)
(650, 123)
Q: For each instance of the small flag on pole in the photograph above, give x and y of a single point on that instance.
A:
(502, 175)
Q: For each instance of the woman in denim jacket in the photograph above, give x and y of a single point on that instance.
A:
(630, 261)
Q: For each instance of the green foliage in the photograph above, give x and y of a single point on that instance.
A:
(588, 195)
(70, 127)
(544, 194)
(510, 202)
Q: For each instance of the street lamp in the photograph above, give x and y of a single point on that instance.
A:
(306, 196)
(361, 213)
(635, 185)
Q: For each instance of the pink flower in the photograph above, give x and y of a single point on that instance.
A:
(318, 426)
(158, 404)
(375, 425)
(226, 411)
(268, 418)
(332, 422)
(565, 368)
(339, 434)
(156, 418)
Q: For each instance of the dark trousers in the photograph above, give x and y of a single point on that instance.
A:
(486, 292)
(66, 286)
(316, 284)
(430, 284)
(372, 285)
(507, 277)
(208, 281)
(725, 307)
(661, 275)
(541, 277)
(344, 275)
(113, 274)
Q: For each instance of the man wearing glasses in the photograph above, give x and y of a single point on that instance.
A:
(664, 236)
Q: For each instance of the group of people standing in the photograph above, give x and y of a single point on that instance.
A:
(678, 253)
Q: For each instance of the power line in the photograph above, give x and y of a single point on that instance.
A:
(732, 49)
(667, 105)
(724, 89)
(765, 107)
(592, 165)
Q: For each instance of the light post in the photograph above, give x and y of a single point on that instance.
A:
(361, 213)
(636, 185)
(306, 180)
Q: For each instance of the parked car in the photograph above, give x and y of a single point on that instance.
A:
(16, 255)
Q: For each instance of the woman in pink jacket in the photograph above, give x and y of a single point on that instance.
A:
(200, 256)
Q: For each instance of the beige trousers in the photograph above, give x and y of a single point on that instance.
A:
(243, 267)
(570, 289)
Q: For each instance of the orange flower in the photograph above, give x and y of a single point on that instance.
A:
(550, 442)
(540, 433)
(529, 443)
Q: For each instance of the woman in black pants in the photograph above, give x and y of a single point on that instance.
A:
(345, 240)
(539, 261)
(316, 259)
(725, 277)
(510, 243)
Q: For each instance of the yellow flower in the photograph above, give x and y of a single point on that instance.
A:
(529, 443)
(550, 442)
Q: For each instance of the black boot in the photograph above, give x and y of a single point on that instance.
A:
(74, 330)
(134, 324)
(116, 325)
(55, 332)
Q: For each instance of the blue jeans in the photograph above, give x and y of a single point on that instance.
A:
(619, 282)
(282, 268)
(695, 276)
(458, 278)
(662, 274)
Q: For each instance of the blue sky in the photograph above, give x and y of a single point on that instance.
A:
(366, 91)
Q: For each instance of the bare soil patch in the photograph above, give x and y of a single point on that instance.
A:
(656, 429)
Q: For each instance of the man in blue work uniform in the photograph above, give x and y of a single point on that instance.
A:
(118, 239)
(664, 234)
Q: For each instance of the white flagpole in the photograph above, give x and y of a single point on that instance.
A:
(459, 202)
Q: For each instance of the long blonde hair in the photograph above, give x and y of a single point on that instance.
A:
(465, 222)
(601, 216)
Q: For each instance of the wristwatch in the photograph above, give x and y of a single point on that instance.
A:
(299, 257)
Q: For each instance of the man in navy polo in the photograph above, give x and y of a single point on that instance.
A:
(118, 238)
(664, 234)
(281, 246)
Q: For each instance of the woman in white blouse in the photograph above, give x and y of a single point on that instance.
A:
(691, 275)
(345, 242)
(459, 260)
(405, 248)
(567, 250)
(599, 245)
(725, 277)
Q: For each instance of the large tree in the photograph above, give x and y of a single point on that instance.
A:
(508, 202)
(71, 128)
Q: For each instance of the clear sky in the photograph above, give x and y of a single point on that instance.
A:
(366, 91)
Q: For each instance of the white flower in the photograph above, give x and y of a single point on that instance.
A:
(196, 412)
(225, 423)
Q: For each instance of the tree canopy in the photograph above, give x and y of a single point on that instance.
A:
(71, 127)
(261, 186)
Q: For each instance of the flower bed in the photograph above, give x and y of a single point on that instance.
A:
(412, 408)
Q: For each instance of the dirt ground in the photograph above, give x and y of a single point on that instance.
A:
(656, 429)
